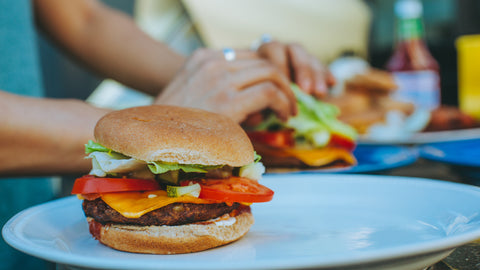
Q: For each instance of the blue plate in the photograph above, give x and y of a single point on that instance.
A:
(461, 153)
(370, 158)
(463, 156)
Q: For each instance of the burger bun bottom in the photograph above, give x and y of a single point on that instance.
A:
(174, 239)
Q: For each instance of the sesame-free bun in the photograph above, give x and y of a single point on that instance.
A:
(176, 135)
(174, 239)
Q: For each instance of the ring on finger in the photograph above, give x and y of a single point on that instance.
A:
(229, 54)
(264, 38)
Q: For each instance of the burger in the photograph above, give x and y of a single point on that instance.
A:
(169, 180)
(311, 139)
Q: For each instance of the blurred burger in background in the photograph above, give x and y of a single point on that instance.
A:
(313, 138)
(366, 98)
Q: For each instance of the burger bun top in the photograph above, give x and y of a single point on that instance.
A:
(175, 135)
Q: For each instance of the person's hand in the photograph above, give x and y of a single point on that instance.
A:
(238, 88)
(301, 67)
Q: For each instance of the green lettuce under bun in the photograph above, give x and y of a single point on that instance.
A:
(108, 162)
(314, 123)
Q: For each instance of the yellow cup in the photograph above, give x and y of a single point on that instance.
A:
(468, 51)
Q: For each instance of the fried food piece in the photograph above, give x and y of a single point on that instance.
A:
(374, 82)
(386, 104)
(450, 118)
(361, 121)
(350, 102)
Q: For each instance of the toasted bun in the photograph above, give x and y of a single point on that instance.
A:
(375, 81)
(175, 134)
(174, 239)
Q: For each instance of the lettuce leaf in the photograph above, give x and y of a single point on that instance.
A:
(315, 121)
(158, 167)
(323, 114)
(105, 162)
(110, 163)
(256, 158)
(92, 146)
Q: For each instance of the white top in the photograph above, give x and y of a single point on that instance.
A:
(408, 9)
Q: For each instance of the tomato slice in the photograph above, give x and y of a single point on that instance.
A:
(91, 184)
(282, 138)
(233, 189)
(342, 141)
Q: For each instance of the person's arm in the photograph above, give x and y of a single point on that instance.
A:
(44, 136)
(108, 42)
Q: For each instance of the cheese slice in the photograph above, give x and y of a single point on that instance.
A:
(322, 156)
(136, 204)
(311, 157)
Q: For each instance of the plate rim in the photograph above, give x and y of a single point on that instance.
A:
(426, 137)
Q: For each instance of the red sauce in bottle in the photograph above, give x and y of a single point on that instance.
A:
(415, 70)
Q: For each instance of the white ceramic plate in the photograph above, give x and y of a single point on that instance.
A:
(314, 221)
(426, 137)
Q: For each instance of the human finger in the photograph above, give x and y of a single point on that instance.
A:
(320, 79)
(245, 54)
(253, 120)
(243, 64)
(331, 81)
(277, 54)
(259, 97)
(258, 74)
(302, 71)
(239, 54)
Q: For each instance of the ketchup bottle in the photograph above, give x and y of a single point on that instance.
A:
(415, 71)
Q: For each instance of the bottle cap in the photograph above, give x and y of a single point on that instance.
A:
(408, 9)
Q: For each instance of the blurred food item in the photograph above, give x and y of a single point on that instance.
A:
(397, 126)
(363, 120)
(373, 81)
(450, 118)
(386, 103)
(344, 68)
(366, 99)
(311, 139)
(367, 102)
(350, 103)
